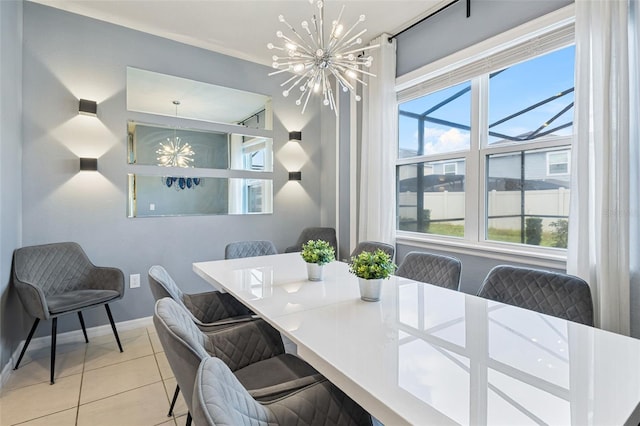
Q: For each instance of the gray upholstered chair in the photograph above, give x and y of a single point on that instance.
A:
(210, 310)
(325, 234)
(58, 279)
(372, 246)
(551, 293)
(250, 350)
(249, 249)
(220, 399)
(443, 271)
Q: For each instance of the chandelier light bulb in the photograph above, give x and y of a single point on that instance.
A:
(270, 46)
(323, 60)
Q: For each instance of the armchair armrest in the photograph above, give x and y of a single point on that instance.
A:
(106, 278)
(245, 344)
(275, 391)
(33, 299)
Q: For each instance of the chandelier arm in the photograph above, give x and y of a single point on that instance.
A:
(355, 37)
(302, 77)
(277, 72)
(345, 35)
(304, 107)
(361, 49)
(343, 80)
(289, 80)
(320, 4)
(354, 69)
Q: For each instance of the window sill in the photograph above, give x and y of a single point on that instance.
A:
(535, 256)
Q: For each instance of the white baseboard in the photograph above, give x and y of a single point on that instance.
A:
(69, 337)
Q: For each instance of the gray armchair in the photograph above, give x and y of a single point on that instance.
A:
(210, 310)
(250, 350)
(220, 399)
(241, 249)
(372, 246)
(443, 271)
(326, 234)
(551, 293)
(57, 279)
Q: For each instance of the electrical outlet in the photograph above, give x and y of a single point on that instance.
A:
(134, 280)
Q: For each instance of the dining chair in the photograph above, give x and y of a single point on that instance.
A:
(436, 269)
(58, 279)
(552, 293)
(220, 399)
(249, 349)
(241, 249)
(372, 246)
(317, 233)
(209, 310)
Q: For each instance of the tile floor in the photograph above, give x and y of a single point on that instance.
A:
(95, 385)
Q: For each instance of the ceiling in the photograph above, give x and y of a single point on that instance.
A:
(242, 28)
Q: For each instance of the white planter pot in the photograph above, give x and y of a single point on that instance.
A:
(315, 271)
(370, 289)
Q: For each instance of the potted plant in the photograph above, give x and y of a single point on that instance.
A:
(371, 268)
(317, 253)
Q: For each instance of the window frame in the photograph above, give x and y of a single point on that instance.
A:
(568, 163)
(418, 83)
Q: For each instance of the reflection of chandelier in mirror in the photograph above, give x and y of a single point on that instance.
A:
(174, 152)
(313, 60)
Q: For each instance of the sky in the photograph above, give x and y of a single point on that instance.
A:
(510, 91)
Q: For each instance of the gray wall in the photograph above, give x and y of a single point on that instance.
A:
(67, 57)
(11, 317)
(446, 33)
(450, 30)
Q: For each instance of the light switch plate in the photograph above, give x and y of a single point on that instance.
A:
(134, 280)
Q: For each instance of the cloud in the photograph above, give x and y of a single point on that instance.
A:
(438, 141)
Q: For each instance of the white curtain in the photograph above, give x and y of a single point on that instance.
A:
(603, 157)
(377, 217)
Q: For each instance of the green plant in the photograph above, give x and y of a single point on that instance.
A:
(317, 251)
(371, 266)
(533, 230)
(560, 233)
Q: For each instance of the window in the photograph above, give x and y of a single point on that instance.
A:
(558, 163)
(487, 159)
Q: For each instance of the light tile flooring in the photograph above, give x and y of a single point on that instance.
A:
(95, 385)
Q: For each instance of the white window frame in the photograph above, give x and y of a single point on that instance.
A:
(455, 168)
(551, 29)
(550, 163)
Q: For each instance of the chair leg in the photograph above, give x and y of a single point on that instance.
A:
(113, 326)
(173, 401)
(54, 332)
(189, 419)
(26, 343)
(84, 330)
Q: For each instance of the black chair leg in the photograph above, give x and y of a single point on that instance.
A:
(54, 332)
(189, 419)
(173, 401)
(84, 330)
(113, 326)
(26, 343)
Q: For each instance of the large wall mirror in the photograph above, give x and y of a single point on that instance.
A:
(153, 93)
(151, 196)
(155, 145)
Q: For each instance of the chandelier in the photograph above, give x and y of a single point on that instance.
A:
(174, 152)
(313, 58)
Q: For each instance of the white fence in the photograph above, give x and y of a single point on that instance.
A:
(450, 205)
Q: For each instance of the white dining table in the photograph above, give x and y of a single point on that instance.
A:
(425, 355)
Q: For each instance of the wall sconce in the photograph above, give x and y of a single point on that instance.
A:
(88, 164)
(295, 136)
(88, 107)
(295, 175)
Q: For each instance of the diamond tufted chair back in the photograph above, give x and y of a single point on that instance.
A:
(443, 271)
(560, 295)
(318, 233)
(220, 399)
(241, 249)
(372, 246)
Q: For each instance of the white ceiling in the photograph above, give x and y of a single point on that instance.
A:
(242, 28)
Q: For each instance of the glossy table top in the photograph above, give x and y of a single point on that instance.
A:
(427, 355)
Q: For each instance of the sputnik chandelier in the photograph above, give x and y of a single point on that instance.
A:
(174, 152)
(313, 58)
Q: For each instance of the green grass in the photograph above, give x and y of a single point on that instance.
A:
(495, 234)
